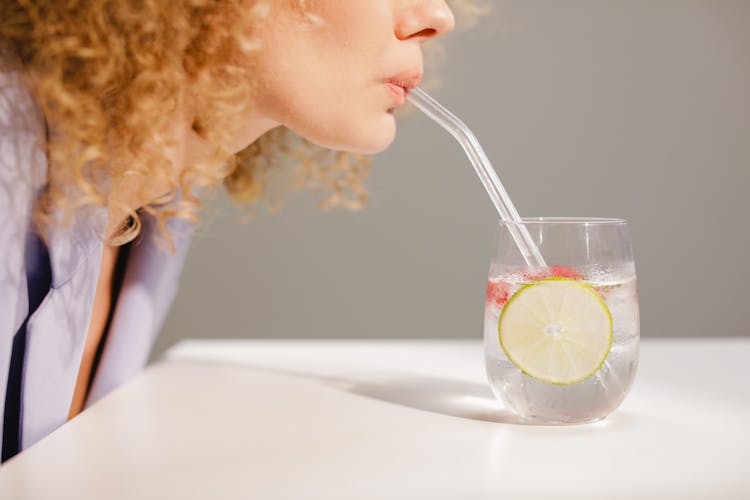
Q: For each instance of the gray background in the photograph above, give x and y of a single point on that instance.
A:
(633, 109)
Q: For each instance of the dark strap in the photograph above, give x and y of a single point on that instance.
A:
(38, 280)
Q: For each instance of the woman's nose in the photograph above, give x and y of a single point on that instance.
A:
(423, 19)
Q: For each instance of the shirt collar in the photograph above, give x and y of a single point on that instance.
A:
(72, 245)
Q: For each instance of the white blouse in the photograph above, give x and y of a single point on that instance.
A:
(56, 331)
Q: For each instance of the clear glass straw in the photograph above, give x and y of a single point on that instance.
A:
(485, 171)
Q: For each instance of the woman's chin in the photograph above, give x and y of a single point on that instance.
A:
(370, 148)
(373, 138)
(367, 137)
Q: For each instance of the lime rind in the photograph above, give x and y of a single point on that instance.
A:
(562, 350)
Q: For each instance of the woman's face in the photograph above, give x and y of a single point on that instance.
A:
(335, 72)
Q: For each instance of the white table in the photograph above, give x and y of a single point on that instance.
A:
(391, 419)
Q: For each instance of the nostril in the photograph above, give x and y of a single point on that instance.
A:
(425, 33)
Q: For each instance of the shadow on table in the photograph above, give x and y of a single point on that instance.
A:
(456, 398)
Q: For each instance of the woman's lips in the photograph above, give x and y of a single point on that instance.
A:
(407, 79)
(400, 84)
(398, 93)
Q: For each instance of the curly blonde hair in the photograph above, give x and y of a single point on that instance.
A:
(112, 71)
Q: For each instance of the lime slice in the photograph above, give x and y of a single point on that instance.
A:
(556, 330)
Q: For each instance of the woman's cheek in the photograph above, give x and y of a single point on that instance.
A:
(339, 117)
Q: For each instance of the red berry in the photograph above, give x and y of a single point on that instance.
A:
(565, 272)
(497, 292)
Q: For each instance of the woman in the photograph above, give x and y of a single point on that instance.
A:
(114, 114)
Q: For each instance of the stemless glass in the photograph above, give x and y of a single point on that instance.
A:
(561, 343)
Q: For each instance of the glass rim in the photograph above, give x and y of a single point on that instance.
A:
(565, 220)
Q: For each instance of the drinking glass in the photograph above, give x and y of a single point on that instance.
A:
(561, 342)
